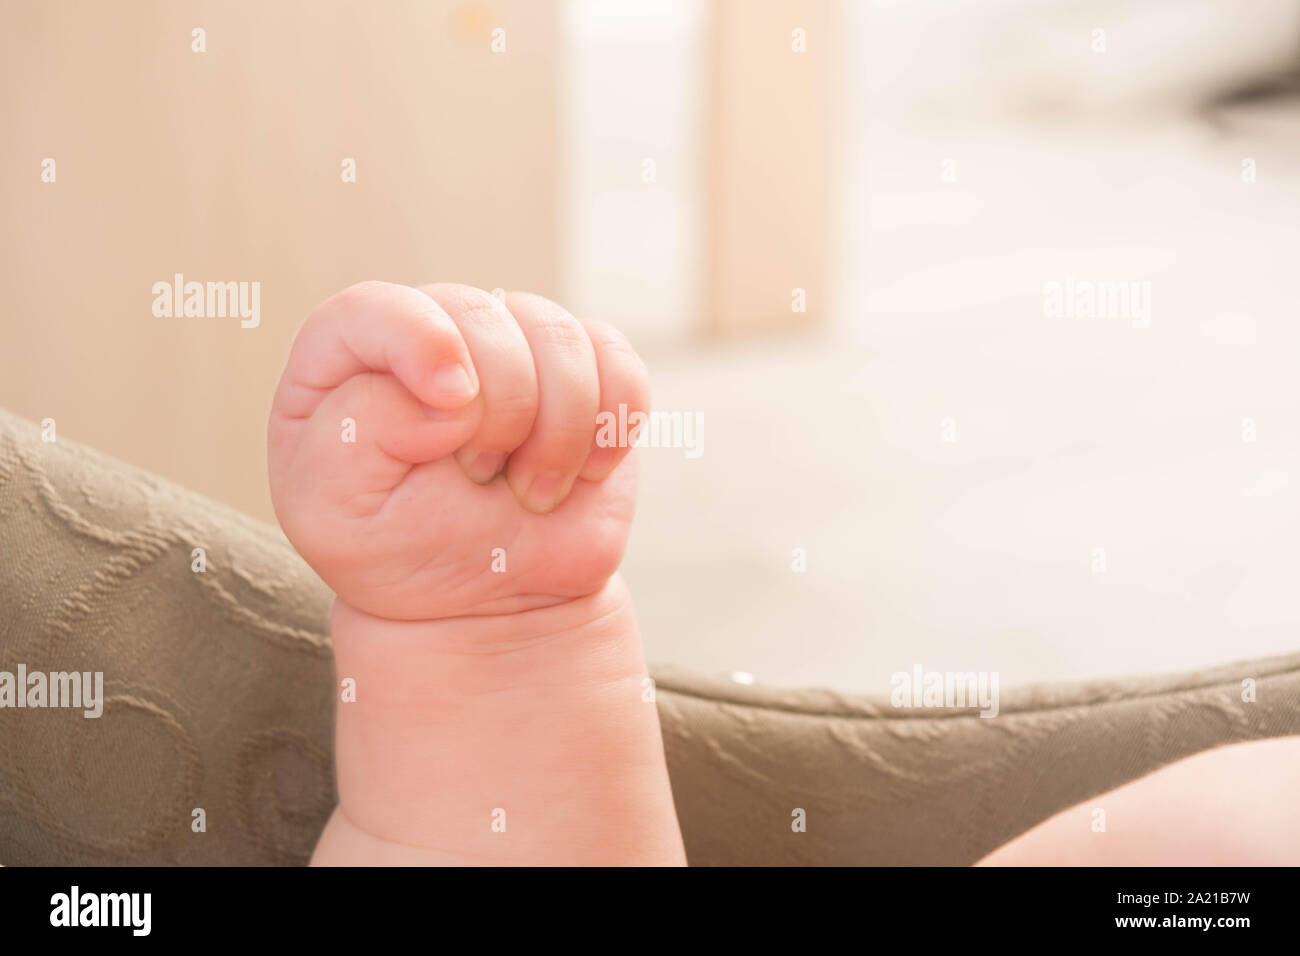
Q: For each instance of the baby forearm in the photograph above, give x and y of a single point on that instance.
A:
(515, 739)
(1229, 806)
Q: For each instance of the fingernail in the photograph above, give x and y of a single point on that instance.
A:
(453, 384)
(544, 493)
(485, 467)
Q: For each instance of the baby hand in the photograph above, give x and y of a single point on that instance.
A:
(432, 452)
(432, 455)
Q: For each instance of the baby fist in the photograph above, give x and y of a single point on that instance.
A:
(432, 452)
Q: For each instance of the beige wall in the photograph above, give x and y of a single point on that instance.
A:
(225, 166)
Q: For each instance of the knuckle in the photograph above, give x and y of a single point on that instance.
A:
(561, 332)
(466, 301)
(365, 291)
(369, 300)
(553, 326)
(610, 337)
(640, 390)
(613, 344)
(625, 374)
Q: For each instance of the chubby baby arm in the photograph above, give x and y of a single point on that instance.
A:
(432, 455)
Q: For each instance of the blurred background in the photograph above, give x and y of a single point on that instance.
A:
(827, 225)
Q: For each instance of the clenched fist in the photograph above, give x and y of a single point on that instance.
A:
(432, 451)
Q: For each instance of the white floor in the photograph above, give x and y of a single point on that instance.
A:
(1070, 434)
